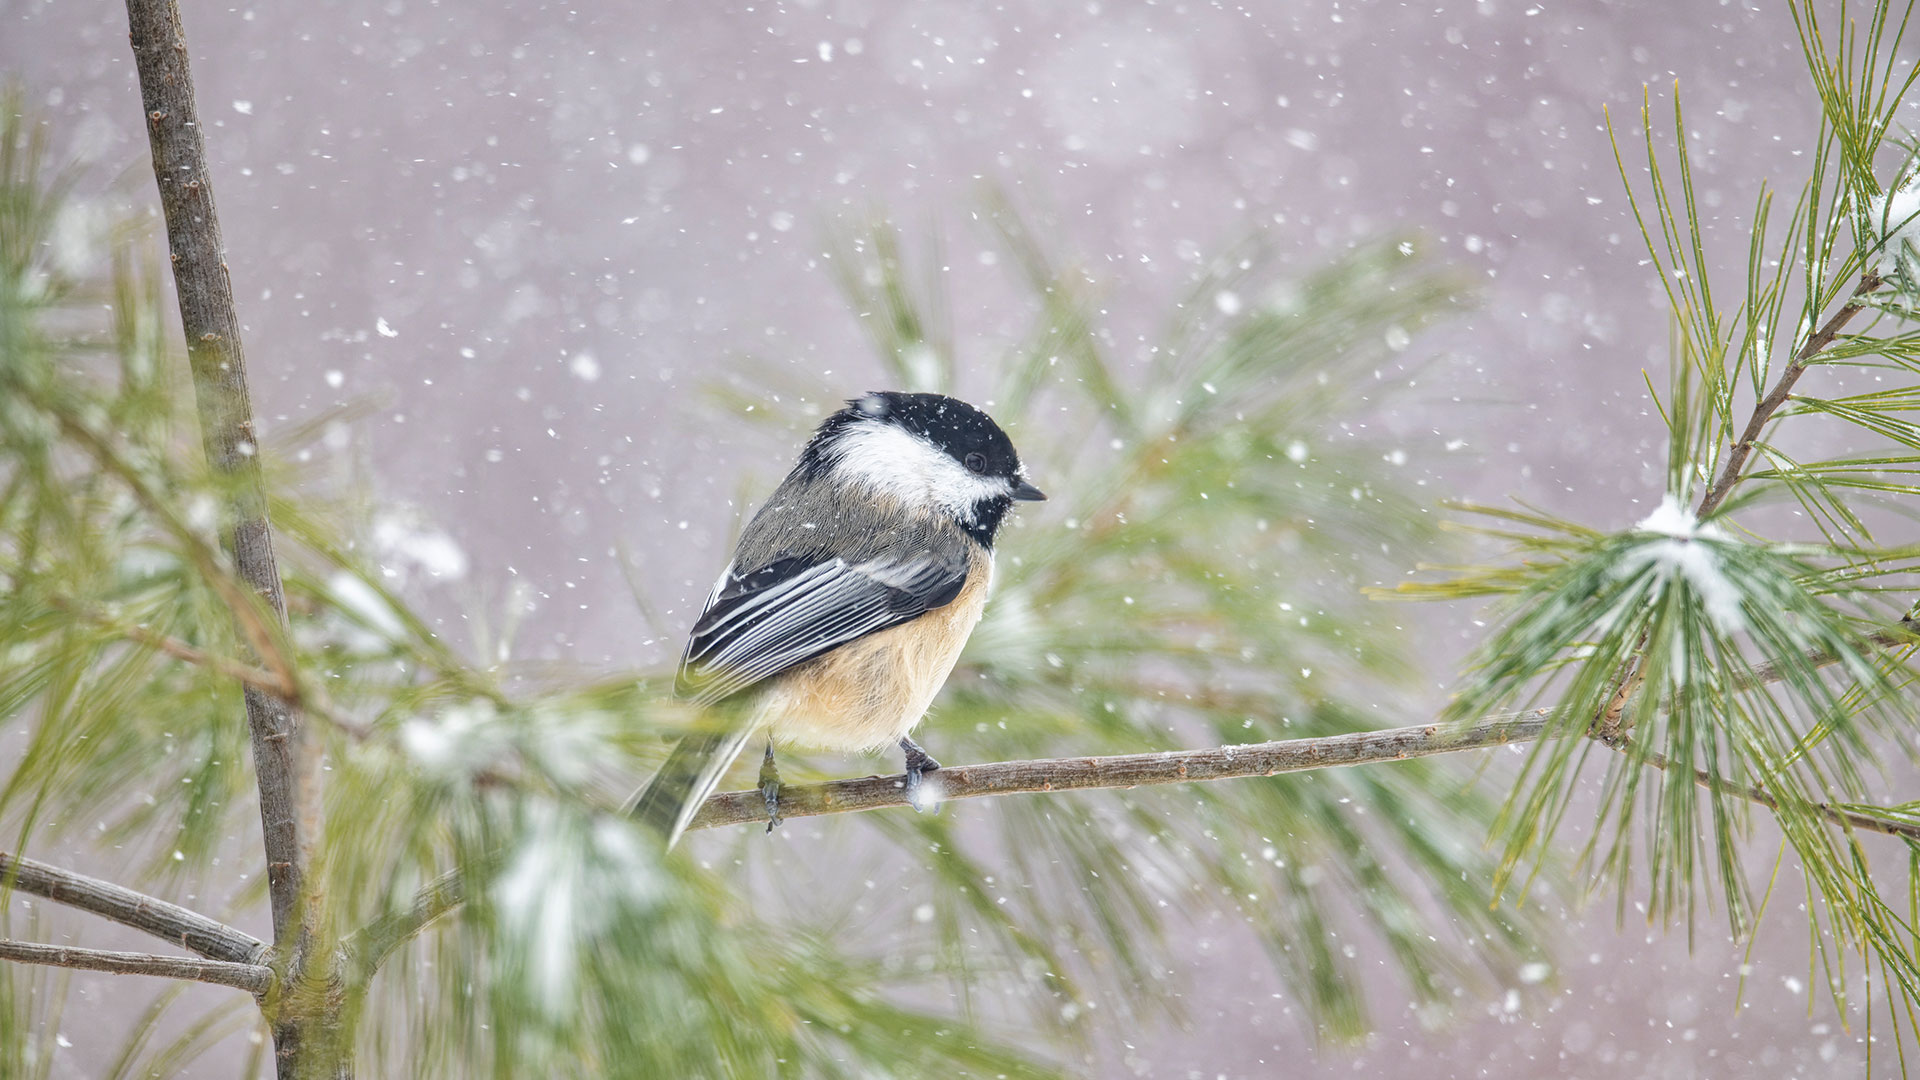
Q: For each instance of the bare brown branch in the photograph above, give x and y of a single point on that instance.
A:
(1129, 770)
(288, 774)
(253, 978)
(169, 922)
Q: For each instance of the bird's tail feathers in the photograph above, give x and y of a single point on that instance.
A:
(691, 772)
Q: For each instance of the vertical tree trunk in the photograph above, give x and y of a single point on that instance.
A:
(286, 768)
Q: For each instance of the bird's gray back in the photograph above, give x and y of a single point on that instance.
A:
(814, 520)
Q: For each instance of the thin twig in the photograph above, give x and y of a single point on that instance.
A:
(1764, 409)
(1904, 634)
(253, 978)
(245, 674)
(287, 772)
(1852, 819)
(1773, 671)
(366, 949)
(169, 922)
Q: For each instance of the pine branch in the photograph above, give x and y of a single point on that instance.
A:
(253, 628)
(1764, 409)
(253, 978)
(1612, 726)
(169, 922)
(287, 771)
(367, 948)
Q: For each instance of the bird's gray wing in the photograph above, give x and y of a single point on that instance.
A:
(767, 619)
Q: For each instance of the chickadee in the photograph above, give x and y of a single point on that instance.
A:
(849, 595)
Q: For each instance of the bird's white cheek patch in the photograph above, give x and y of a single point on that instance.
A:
(896, 462)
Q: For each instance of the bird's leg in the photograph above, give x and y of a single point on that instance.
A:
(770, 786)
(919, 763)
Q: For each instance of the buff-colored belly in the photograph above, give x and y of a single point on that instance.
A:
(868, 694)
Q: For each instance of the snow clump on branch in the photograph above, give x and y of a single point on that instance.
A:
(1895, 220)
(1683, 553)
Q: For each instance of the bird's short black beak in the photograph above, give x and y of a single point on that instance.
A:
(1026, 492)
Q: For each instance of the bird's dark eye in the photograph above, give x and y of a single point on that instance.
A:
(975, 462)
